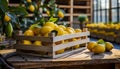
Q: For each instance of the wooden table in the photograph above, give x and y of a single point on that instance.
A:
(80, 60)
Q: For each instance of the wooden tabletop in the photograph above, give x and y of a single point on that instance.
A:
(81, 58)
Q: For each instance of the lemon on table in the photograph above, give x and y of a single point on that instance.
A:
(29, 33)
(99, 48)
(91, 45)
(7, 18)
(51, 24)
(27, 42)
(38, 43)
(46, 29)
(109, 46)
(31, 8)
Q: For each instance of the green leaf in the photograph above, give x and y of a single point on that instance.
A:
(12, 16)
(3, 5)
(101, 41)
(52, 19)
(19, 11)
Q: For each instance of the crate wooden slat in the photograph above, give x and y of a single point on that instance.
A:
(51, 48)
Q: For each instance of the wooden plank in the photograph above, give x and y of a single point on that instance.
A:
(34, 38)
(7, 51)
(81, 7)
(68, 53)
(76, 14)
(69, 44)
(34, 48)
(117, 66)
(58, 38)
(64, 6)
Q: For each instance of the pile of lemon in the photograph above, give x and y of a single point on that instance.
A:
(46, 29)
(99, 46)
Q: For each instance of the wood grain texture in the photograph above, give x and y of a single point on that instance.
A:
(79, 59)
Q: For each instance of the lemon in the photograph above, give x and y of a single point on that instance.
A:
(31, 8)
(51, 24)
(59, 42)
(109, 46)
(78, 30)
(46, 35)
(55, 26)
(48, 12)
(29, 1)
(76, 46)
(7, 18)
(38, 43)
(91, 45)
(60, 14)
(29, 33)
(60, 31)
(27, 42)
(60, 51)
(70, 30)
(45, 29)
(99, 48)
(63, 27)
(36, 31)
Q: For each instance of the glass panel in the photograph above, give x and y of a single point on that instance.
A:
(95, 4)
(95, 18)
(119, 2)
(99, 4)
(107, 4)
(107, 15)
(114, 15)
(98, 16)
(114, 3)
(103, 16)
(103, 4)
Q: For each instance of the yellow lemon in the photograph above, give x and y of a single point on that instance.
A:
(70, 30)
(48, 12)
(91, 45)
(51, 24)
(59, 42)
(76, 46)
(60, 14)
(55, 26)
(38, 43)
(36, 31)
(29, 33)
(60, 31)
(60, 51)
(27, 42)
(99, 48)
(45, 29)
(31, 8)
(29, 1)
(63, 27)
(46, 35)
(109, 46)
(6, 18)
(78, 30)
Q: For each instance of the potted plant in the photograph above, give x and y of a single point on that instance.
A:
(83, 19)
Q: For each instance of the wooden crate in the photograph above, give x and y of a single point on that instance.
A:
(51, 48)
